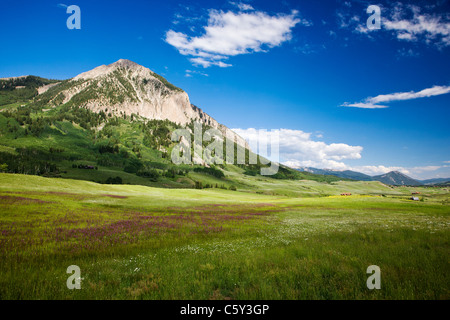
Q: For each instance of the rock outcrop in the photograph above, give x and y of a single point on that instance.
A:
(129, 88)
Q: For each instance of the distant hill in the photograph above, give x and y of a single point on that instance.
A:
(391, 178)
(442, 184)
(347, 174)
(397, 178)
(21, 89)
(436, 181)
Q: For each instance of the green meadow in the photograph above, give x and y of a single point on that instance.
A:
(282, 240)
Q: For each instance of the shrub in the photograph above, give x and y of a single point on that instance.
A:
(198, 185)
(250, 173)
(133, 165)
(211, 171)
(152, 174)
(116, 180)
(3, 167)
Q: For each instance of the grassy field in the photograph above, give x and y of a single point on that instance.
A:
(302, 242)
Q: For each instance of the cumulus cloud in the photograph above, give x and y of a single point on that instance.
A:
(431, 28)
(419, 172)
(427, 168)
(374, 102)
(229, 34)
(297, 148)
(378, 169)
(407, 23)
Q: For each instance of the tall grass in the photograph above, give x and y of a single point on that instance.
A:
(136, 242)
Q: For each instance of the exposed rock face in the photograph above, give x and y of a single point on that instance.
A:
(11, 78)
(128, 87)
(44, 89)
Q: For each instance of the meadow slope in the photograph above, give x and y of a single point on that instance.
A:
(138, 242)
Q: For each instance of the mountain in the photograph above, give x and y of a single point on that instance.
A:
(127, 88)
(397, 178)
(21, 89)
(114, 124)
(347, 174)
(391, 178)
(436, 181)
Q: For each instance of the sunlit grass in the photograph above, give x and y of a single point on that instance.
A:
(136, 242)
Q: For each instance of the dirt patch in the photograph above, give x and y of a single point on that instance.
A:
(233, 209)
(16, 199)
(114, 196)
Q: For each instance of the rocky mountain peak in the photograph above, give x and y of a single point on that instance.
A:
(104, 70)
(126, 64)
(125, 87)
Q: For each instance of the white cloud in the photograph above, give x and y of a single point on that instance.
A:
(296, 148)
(308, 49)
(374, 103)
(242, 6)
(205, 63)
(190, 73)
(229, 34)
(407, 23)
(378, 170)
(429, 27)
(426, 168)
(425, 93)
(407, 53)
(364, 105)
(346, 20)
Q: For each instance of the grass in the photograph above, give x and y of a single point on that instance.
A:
(137, 242)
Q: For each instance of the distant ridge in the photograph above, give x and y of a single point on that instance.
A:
(346, 174)
(125, 87)
(390, 178)
(436, 181)
(397, 179)
(11, 78)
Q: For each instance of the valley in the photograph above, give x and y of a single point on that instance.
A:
(87, 180)
(138, 242)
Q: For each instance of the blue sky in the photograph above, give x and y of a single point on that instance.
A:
(342, 96)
